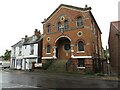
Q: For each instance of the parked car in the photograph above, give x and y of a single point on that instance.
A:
(5, 64)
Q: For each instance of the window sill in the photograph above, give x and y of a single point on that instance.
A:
(81, 67)
(48, 53)
(80, 27)
(80, 51)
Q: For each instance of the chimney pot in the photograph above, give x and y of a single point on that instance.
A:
(26, 36)
(36, 32)
(86, 6)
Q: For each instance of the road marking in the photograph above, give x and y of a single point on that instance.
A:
(19, 86)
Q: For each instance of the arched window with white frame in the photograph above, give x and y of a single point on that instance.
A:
(79, 22)
(80, 46)
(59, 26)
(49, 28)
(48, 49)
(66, 26)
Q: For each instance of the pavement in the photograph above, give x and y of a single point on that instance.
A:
(93, 76)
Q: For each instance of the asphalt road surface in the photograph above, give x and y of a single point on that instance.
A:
(10, 80)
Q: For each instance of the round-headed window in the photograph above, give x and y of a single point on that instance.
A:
(67, 47)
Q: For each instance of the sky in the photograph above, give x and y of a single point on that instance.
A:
(21, 17)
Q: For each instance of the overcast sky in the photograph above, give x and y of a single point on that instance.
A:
(20, 17)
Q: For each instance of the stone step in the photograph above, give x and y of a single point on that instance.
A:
(58, 66)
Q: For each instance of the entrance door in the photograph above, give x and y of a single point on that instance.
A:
(63, 48)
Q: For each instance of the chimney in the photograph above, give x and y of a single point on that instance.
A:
(45, 19)
(86, 6)
(26, 38)
(36, 32)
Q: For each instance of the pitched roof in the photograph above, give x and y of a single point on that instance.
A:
(30, 40)
(20, 43)
(33, 39)
(116, 24)
(77, 8)
(95, 21)
(69, 6)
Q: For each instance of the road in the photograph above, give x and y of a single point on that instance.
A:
(25, 79)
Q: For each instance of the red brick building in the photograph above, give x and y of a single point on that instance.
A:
(114, 45)
(71, 33)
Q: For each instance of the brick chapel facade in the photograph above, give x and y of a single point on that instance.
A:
(71, 33)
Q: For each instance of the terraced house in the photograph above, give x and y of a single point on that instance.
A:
(71, 34)
(26, 54)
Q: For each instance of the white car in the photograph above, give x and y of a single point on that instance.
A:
(5, 64)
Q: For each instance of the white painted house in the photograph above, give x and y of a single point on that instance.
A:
(25, 54)
(17, 55)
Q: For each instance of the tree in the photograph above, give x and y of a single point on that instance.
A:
(7, 55)
(106, 53)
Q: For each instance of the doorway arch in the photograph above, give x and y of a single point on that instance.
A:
(63, 44)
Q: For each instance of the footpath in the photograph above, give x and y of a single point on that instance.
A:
(73, 74)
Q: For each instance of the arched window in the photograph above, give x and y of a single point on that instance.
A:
(49, 28)
(80, 46)
(66, 26)
(59, 26)
(48, 48)
(79, 22)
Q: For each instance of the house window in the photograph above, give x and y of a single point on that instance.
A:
(31, 49)
(25, 47)
(59, 26)
(80, 46)
(48, 48)
(20, 50)
(81, 62)
(79, 22)
(66, 26)
(14, 51)
(49, 28)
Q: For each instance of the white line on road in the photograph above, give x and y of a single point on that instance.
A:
(19, 86)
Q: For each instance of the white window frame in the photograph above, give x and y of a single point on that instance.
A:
(83, 47)
(80, 26)
(47, 48)
(82, 67)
